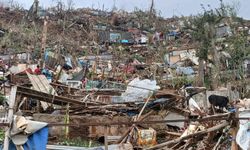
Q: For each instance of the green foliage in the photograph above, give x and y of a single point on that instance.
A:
(2, 99)
(139, 57)
(207, 81)
(203, 26)
(238, 50)
(180, 81)
(2, 133)
(78, 142)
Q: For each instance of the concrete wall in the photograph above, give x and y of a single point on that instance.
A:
(202, 98)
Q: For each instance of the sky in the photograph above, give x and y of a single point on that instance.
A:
(167, 8)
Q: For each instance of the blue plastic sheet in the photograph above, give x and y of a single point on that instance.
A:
(36, 141)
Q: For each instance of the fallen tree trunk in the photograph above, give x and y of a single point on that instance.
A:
(215, 128)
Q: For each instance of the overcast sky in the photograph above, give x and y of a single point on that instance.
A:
(168, 8)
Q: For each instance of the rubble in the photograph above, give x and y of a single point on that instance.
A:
(129, 80)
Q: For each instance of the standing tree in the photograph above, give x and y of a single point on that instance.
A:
(203, 30)
(239, 49)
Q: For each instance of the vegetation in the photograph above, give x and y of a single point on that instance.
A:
(79, 142)
(203, 28)
(2, 133)
(178, 82)
(2, 99)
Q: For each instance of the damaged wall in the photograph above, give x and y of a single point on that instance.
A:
(94, 131)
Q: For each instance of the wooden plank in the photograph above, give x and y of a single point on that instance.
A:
(38, 86)
(46, 84)
(200, 133)
(46, 97)
(106, 137)
(41, 83)
(35, 86)
(10, 115)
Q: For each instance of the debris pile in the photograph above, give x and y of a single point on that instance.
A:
(117, 78)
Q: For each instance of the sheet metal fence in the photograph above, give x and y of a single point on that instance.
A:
(3, 115)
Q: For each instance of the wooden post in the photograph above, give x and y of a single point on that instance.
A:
(155, 70)
(67, 122)
(138, 117)
(234, 131)
(44, 38)
(106, 137)
(234, 144)
(4, 91)
(58, 75)
(10, 115)
(38, 106)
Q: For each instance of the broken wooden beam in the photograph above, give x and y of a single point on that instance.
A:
(11, 112)
(173, 133)
(49, 98)
(138, 122)
(214, 128)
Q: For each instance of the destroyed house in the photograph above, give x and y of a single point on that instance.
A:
(140, 37)
(127, 38)
(98, 57)
(100, 13)
(116, 37)
(101, 27)
(20, 56)
(103, 36)
(53, 59)
(177, 55)
(5, 58)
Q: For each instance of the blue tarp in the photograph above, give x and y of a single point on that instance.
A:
(47, 73)
(124, 41)
(173, 33)
(36, 141)
(83, 63)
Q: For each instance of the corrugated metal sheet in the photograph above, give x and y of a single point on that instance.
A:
(103, 36)
(127, 36)
(99, 57)
(115, 37)
(3, 115)
(53, 59)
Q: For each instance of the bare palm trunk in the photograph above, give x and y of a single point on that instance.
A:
(216, 67)
(201, 72)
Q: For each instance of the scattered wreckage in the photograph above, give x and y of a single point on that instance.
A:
(124, 101)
